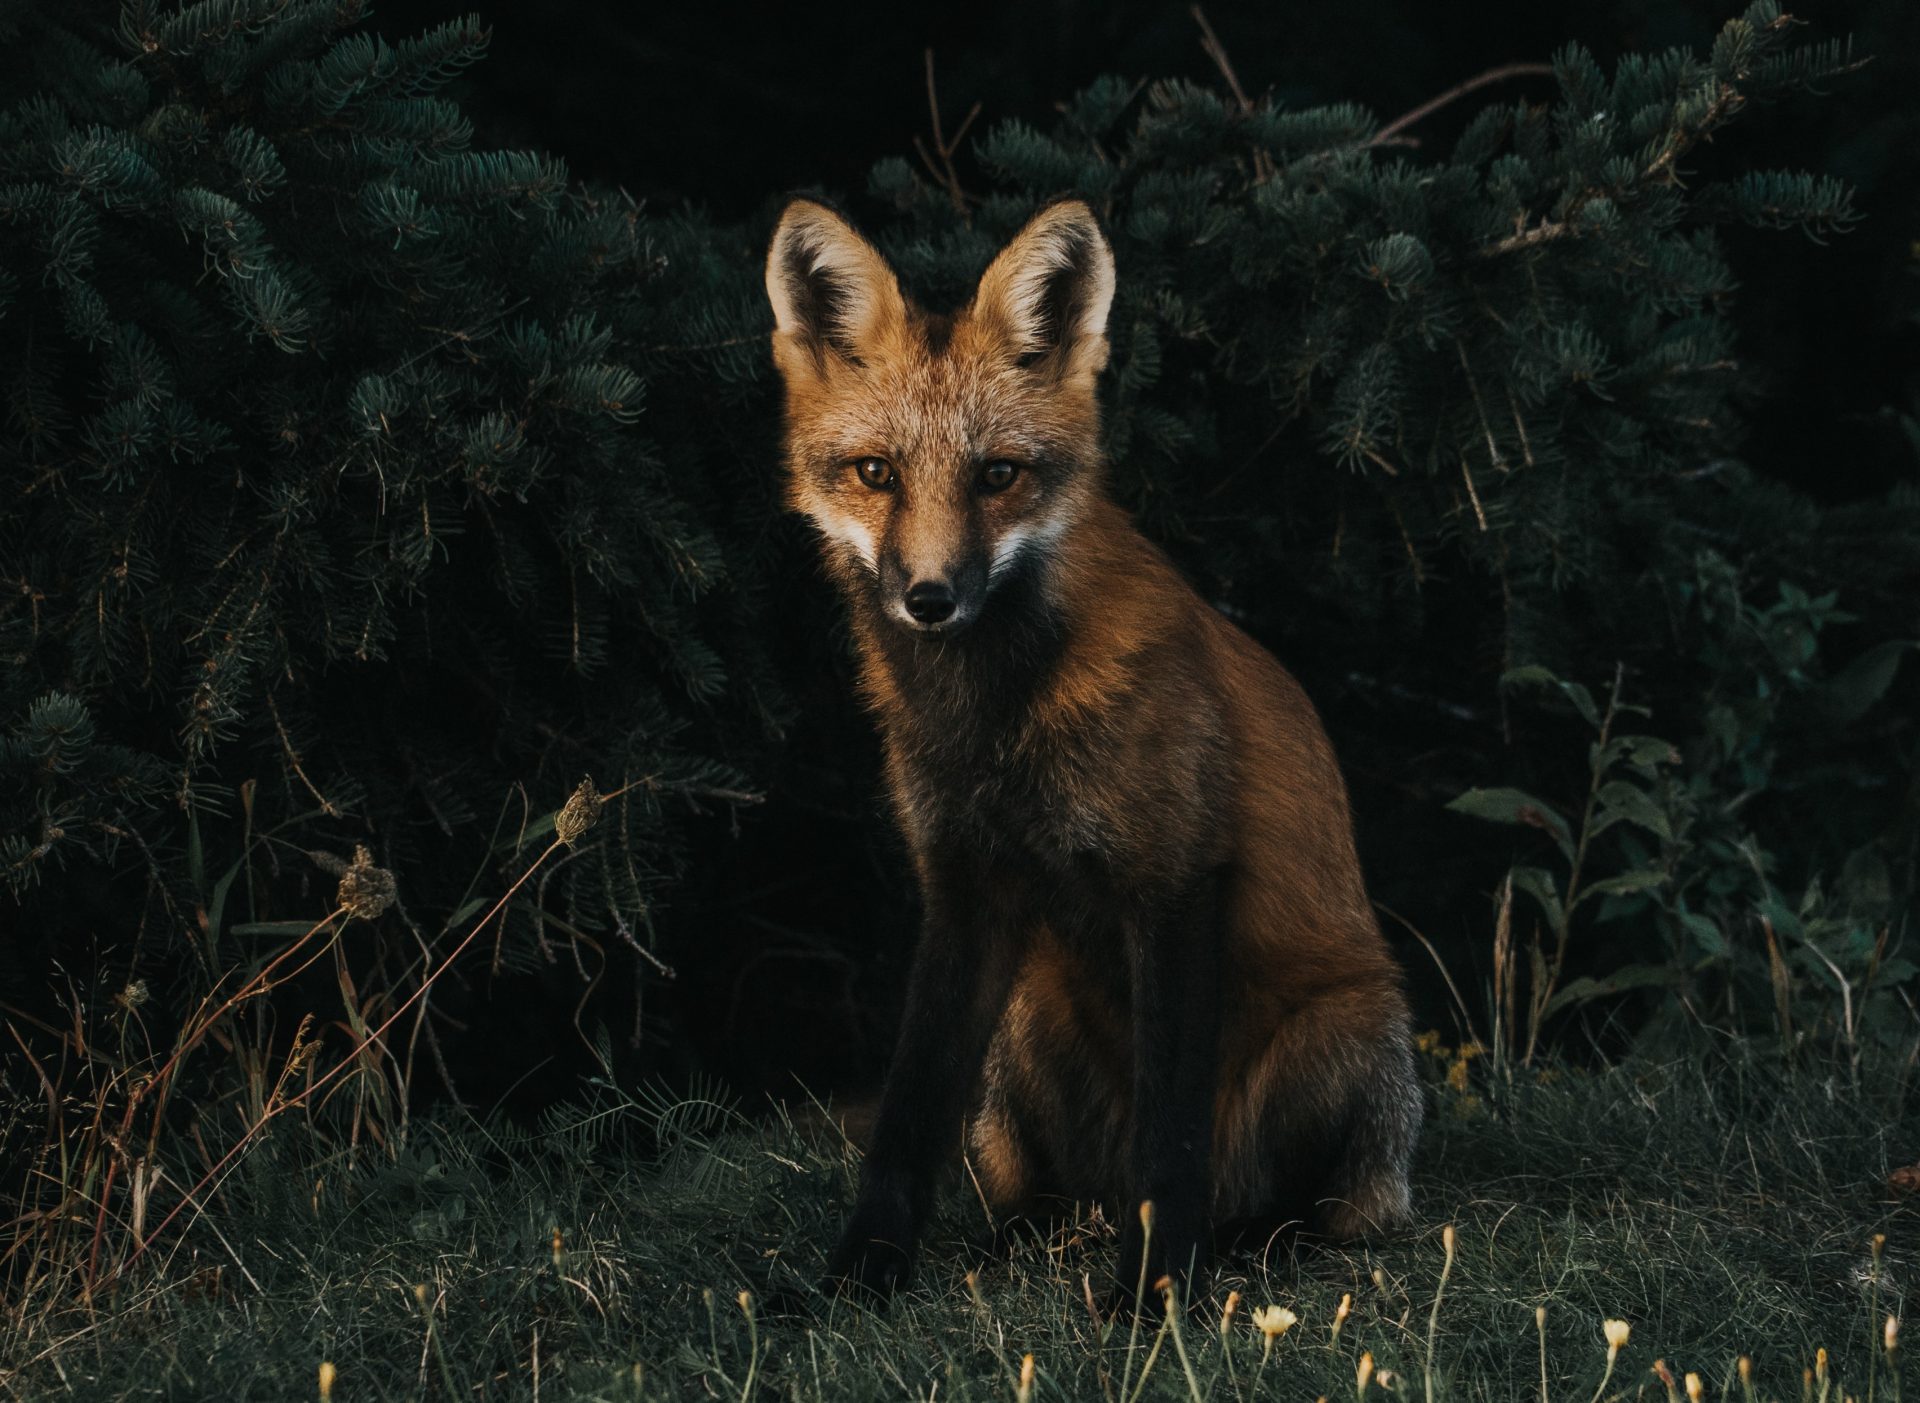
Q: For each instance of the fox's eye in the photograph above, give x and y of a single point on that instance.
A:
(877, 473)
(996, 476)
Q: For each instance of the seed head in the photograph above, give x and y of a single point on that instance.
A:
(1341, 1313)
(1363, 1375)
(1226, 1312)
(1893, 1333)
(1696, 1390)
(557, 1245)
(327, 1373)
(1167, 1293)
(579, 814)
(1666, 1378)
(365, 890)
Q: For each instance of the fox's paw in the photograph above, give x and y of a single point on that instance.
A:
(1172, 1259)
(867, 1266)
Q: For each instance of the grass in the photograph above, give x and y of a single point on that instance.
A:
(1720, 1209)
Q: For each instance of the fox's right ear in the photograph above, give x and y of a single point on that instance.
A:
(833, 294)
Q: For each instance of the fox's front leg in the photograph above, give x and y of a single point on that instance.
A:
(1174, 964)
(961, 974)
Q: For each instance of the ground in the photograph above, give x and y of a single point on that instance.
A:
(1722, 1206)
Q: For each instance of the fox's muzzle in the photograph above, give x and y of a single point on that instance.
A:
(933, 601)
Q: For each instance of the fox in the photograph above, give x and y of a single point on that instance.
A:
(1148, 971)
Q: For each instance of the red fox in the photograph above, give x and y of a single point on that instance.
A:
(1148, 969)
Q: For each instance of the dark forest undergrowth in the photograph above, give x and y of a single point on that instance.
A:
(1720, 1208)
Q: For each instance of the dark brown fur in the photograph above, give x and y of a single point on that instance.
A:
(1150, 966)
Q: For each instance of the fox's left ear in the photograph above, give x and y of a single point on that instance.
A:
(1048, 291)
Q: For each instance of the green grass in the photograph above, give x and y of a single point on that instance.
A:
(1720, 1211)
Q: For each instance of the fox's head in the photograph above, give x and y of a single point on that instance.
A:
(940, 455)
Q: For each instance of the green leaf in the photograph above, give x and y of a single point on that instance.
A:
(1538, 883)
(1516, 806)
(219, 902)
(1705, 932)
(459, 918)
(1897, 971)
(1648, 751)
(535, 830)
(1786, 924)
(1536, 676)
(1850, 693)
(1622, 802)
(274, 927)
(1622, 980)
(196, 854)
(1866, 884)
(1626, 883)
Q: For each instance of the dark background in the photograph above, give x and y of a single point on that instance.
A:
(799, 923)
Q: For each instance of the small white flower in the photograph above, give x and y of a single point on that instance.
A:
(1274, 1321)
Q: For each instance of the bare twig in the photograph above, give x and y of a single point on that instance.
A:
(327, 806)
(1459, 1002)
(665, 349)
(1217, 51)
(1494, 456)
(943, 171)
(1473, 495)
(1263, 168)
(625, 932)
(1391, 130)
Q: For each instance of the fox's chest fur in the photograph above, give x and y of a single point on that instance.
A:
(981, 754)
(967, 761)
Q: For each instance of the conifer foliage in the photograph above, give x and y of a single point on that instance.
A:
(340, 504)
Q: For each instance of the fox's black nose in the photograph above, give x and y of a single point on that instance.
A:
(930, 601)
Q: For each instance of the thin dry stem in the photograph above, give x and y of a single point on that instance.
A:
(945, 148)
(1452, 95)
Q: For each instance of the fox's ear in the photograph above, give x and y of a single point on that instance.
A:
(1047, 292)
(833, 294)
